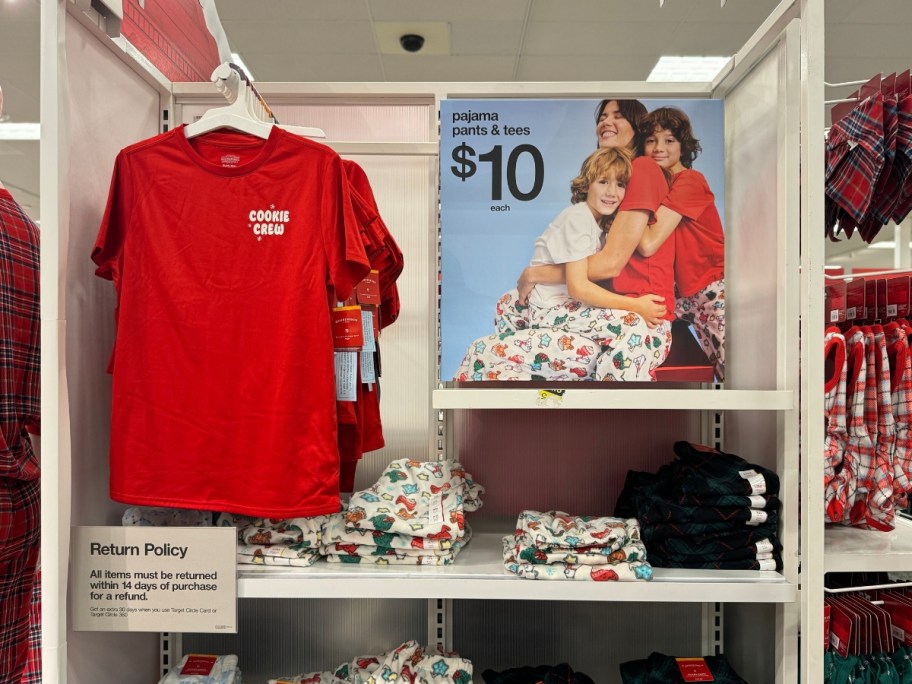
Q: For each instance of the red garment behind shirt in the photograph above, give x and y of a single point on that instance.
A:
(699, 238)
(645, 191)
(360, 426)
(221, 249)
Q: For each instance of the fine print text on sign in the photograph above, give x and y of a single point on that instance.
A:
(154, 579)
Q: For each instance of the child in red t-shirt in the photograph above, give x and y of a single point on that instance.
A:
(689, 211)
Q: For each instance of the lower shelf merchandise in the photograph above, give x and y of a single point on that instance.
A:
(867, 630)
(413, 515)
(558, 546)
(895, 667)
(204, 669)
(408, 662)
(401, 536)
(663, 669)
(706, 510)
(543, 674)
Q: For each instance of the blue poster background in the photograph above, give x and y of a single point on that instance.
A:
(485, 243)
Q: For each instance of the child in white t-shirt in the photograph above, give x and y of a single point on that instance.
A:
(577, 233)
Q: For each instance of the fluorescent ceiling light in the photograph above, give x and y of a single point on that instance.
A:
(236, 58)
(698, 69)
(20, 131)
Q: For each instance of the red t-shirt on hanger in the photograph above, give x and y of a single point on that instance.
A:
(221, 249)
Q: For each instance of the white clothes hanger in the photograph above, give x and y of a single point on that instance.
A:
(238, 115)
(248, 112)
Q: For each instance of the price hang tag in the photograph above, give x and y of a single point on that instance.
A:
(347, 327)
(368, 290)
(367, 330)
(154, 579)
(346, 368)
(368, 375)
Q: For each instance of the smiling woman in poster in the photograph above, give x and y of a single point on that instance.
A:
(632, 346)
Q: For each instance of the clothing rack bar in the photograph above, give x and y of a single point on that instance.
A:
(891, 271)
(846, 590)
(846, 84)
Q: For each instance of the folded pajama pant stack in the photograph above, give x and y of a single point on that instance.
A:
(663, 669)
(706, 510)
(413, 515)
(201, 669)
(543, 674)
(293, 542)
(555, 545)
(407, 663)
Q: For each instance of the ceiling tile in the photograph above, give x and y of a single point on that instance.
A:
(282, 67)
(447, 10)
(570, 68)
(457, 68)
(301, 38)
(709, 39)
(485, 37)
(648, 11)
(591, 39)
(292, 10)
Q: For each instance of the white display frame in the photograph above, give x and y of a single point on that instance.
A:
(796, 397)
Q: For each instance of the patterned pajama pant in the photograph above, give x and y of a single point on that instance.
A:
(20, 515)
(705, 311)
(568, 342)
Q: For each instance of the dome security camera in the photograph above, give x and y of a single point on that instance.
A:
(411, 42)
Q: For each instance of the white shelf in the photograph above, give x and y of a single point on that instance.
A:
(849, 549)
(612, 398)
(479, 574)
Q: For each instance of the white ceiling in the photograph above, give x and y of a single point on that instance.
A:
(489, 40)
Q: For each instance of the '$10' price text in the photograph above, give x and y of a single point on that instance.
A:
(465, 168)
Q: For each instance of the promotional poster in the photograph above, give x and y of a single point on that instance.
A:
(576, 235)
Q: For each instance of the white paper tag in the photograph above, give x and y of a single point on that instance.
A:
(898, 633)
(834, 316)
(757, 501)
(368, 376)
(767, 564)
(764, 556)
(436, 514)
(367, 328)
(427, 560)
(850, 312)
(757, 483)
(892, 309)
(346, 375)
(757, 517)
(834, 640)
(764, 546)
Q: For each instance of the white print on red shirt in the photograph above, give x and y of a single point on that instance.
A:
(268, 221)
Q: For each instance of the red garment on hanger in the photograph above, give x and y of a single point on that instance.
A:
(221, 249)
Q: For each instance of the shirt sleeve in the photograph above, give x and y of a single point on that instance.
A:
(689, 195)
(108, 250)
(574, 235)
(647, 187)
(347, 261)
